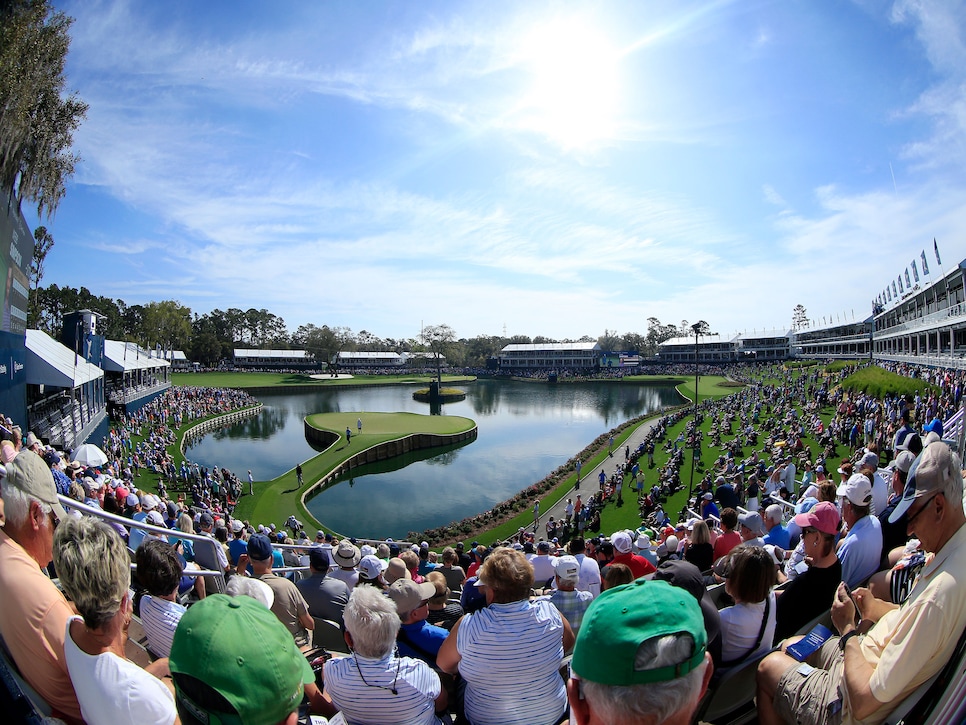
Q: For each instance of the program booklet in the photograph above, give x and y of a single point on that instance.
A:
(810, 642)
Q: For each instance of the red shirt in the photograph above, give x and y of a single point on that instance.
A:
(725, 543)
(639, 566)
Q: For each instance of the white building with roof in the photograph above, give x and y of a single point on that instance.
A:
(253, 358)
(554, 355)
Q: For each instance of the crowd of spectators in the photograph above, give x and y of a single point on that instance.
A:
(479, 635)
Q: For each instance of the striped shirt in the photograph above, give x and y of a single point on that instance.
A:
(160, 618)
(510, 656)
(374, 703)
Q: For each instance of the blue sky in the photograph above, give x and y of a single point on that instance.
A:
(555, 168)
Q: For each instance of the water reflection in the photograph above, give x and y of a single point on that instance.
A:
(525, 431)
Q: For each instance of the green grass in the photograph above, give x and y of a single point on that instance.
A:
(880, 383)
(275, 500)
(281, 380)
(613, 518)
(840, 365)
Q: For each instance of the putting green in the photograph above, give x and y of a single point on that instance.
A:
(383, 435)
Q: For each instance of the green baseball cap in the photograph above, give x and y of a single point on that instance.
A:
(621, 619)
(239, 648)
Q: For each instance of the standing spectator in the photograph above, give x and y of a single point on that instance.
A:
(492, 647)
(94, 569)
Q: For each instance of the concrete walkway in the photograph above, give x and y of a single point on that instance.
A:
(589, 484)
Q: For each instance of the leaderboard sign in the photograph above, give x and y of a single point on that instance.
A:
(16, 253)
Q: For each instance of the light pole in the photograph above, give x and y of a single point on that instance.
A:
(696, 329)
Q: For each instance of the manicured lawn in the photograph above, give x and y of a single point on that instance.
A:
(276, 500)
(612, 517)
(266, 380)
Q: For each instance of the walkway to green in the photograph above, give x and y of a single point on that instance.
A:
(249, 380)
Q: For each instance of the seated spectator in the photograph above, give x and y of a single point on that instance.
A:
(289, 606)
(417, 637)
(616, 575)
(728, 539)
(748, 627)
(411, 560)
(396, 570)
(374, 685)
(442, 612)
(861, 548)
(569, 602)
(810, 593)
(700, 552)
(777, 533)
(751, 529)
(589, 580)
(451, 569)
(346, 556)
(687, 576)
(159, 570)
(867, 671)
(640, 658)
(370, 572)
(33, 611)
(543, 565)
(268, 675)
(623, 554)
(490, 648)
(94, 570)
(325, 595)
(258, 590)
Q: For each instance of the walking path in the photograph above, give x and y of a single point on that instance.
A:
(589, 484)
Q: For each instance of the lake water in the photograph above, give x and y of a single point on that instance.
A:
(525, 431)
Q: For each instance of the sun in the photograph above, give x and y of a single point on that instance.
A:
(574, 94)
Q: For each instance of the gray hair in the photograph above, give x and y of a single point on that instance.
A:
(94, 568)
(774, 513)
(371, 619)
(16, 506)
(655, 702)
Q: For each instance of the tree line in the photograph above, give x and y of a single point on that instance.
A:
(212, 337)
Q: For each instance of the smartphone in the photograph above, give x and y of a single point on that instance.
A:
(848, 590)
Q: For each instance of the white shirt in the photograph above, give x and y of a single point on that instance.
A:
(588, 578)
(740, 625)
(112, 690)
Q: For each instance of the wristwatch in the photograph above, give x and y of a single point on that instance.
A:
(843, 640)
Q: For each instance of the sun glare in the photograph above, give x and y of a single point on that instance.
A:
(575, 91)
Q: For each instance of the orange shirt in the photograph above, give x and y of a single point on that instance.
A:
(33, 623)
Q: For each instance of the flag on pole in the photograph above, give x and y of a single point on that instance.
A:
(915, 271)
(936, 249)
(895, 293)
(900, 284)
(925, 265)
(908, 282)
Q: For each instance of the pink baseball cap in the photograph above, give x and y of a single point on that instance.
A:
(822, 516)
